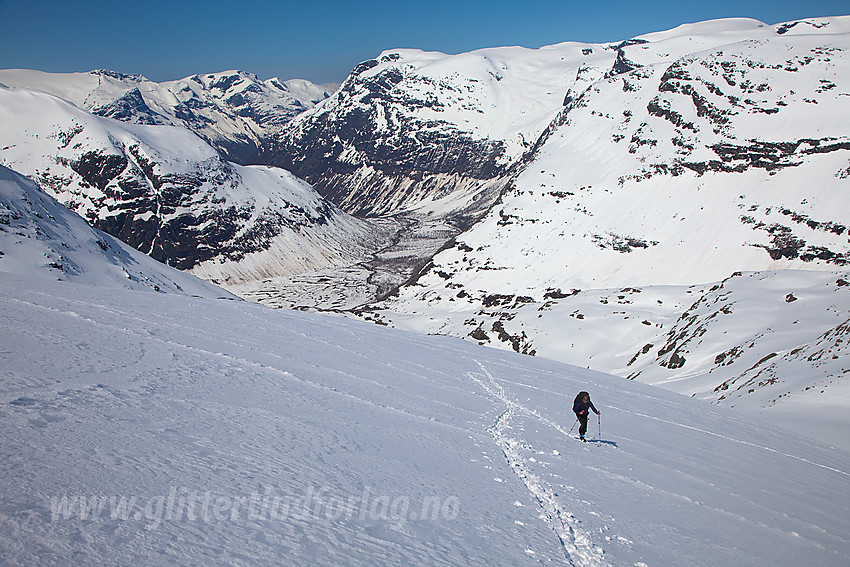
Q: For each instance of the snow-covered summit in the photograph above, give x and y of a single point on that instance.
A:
(702, 153)
(234, 111)
(442, 134)
(683, 171)
(426, 131)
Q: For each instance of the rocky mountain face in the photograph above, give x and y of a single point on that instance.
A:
(428, 133)
(39, 238)
(125, 153)
(167, 193)
(235, 112)
(710, 151)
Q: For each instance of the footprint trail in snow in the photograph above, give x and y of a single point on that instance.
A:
(579, 548)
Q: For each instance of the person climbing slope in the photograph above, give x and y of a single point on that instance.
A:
(581, 405)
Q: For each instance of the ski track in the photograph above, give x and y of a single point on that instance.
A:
(579, 549)
(741, 441)
(686, 426)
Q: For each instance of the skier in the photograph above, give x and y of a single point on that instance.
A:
(580, 406)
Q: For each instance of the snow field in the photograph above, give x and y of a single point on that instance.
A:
(251, 435)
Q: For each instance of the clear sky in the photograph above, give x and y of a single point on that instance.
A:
(323, 40)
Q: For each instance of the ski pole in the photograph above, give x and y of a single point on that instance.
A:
(599, 423)
(573, 427)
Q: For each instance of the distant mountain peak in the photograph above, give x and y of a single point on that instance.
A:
(234, 111)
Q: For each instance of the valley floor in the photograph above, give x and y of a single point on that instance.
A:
(346, 287)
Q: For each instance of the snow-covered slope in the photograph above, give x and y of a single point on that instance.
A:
(167, 193)
(727, 159)
(436, 133)
(430, 132)
(716, 148)
(143, 428)
(233, 111)
(771, 344)
(39, 238)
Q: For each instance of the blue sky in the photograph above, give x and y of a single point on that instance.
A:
(323, 40)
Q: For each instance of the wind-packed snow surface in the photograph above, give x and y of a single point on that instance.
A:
(160, 429)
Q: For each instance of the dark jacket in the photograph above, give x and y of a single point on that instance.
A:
(580, 407)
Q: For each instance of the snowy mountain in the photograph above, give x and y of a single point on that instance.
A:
(145, 428)
(166, 192)
(41, 239)
(705, 152)
(442, 134)
(668, 208)
(234, 111)
(429, 132)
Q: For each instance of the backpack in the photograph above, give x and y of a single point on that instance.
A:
(579, 400)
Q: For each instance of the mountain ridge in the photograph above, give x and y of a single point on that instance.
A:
(234, 111)
(42, 239)
(166, 192)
